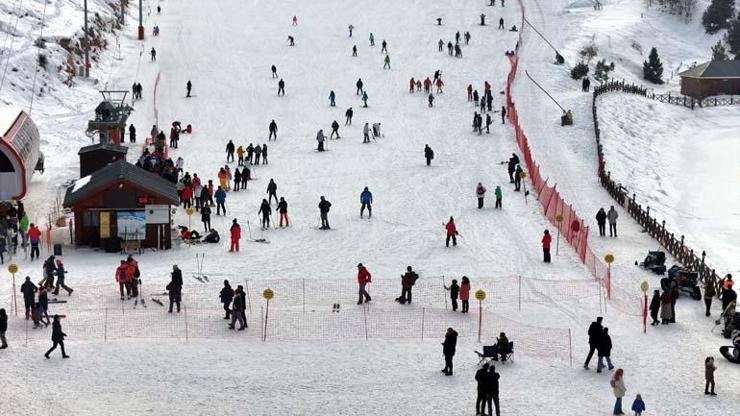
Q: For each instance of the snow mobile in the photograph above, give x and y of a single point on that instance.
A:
(655, 262)
(687, 279)
(732, 352)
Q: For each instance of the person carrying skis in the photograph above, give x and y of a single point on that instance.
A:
(273, 134)
(282, 208)
(272, 190)
(332, 99)
(546, 240)
(320, 138)
(499, 197)
(226, 295)
(274, 71)
(281, 87)
(452, 233)
(387, 62)
(348, 115)
(366, 199)
(57, 338)
(239, 310)
(236, 235)
(430, 99)
(189, 87)
(480, 192)
(359, 85)
(448, 350)
(428, 154)
(266, 211)
(366, 133)
(334, 130)
(324, 207)
(230, 151)
(220, 196)
(363, 278)
(364, 99)
(174, 287)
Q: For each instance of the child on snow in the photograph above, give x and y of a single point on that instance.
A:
(465, 293)
(454, 289)
(638, 406)
(709, 368)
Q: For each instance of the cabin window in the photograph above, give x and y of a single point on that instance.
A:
(5, 164)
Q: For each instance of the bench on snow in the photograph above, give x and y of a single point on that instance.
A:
(491, 351)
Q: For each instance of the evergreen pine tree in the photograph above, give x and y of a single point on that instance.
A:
(733, 37)
(652, 69)
(718, 15)
(601, 72)
(719, 52)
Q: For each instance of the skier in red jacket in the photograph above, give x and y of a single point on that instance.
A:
(412, 83)
(427, 85)
(470, 92)
(363, 278)
(236, 235)
(451, 232)
(546, 240)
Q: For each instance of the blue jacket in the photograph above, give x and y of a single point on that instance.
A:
(220, 195)
(366, 197)
(638, 406)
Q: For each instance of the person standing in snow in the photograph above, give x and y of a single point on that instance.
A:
(465, 294)
(709, 369)
(295, 20)
(220, 195)
(481, 377)
(273, 132)
(452, 233)
(441, 45)
(257, 154)
(604, 350)
(601, 221)
(351, 28)
(619, 390)
(428, 154)
(503, 114)
(709, 293)
(366, 199)
(265, 210)
(153, 54)
(189, 87)
(454, 289)
(132, 134)
(366, 133)
(513, 162)
(655, 307)
(489, 121)
(480, 192)
(364, 99)
(585, 84)
(384, 47)
(29, 290)
(274, 72)
(595, 331)
(291, 40)
(430, 99)
(320, 138)
(408, 280)
(57, 338)
(324, 207)
(501, 23)
(272, 191)
(546, 241)
(372, 39)
(239, 310)
(359, 85)
(334, 130)
(175, 288)
(281, 87)
(332, 99)
(499, 197)
(3, 329)
(205, 217)
(61, 273)
(666, 309)
(226, 295)
(387, 62)
(518, 178)
(236, 235)
(354, 50)
(348, 114)
(363, 278)
(282, 208)
(448, 350)
(638, 406)
(230, 151)
(612, 216)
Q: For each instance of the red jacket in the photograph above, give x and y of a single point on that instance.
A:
(121, 273)
(427, 82)
(465, 291)
(131, 270)
(546, 240)
(34, 234)
(363, 276)
(451, 229)
(236, 232)
(187, 193)
(412, 83)
(439, 82)
(487, 86)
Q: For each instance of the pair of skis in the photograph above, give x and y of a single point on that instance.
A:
(141, 296)
(200, 258)
(256, 240)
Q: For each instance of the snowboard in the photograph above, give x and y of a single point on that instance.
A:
(259, 240)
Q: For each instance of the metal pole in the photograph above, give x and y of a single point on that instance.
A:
(364, 314)
(15, 299)
(141, 21)
(480, 317)
(444, 291)
(267, 312)
(87, 46)
(644, 314)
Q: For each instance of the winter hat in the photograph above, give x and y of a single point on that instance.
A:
(359, 265)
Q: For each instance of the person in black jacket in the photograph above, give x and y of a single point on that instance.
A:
(481, 378)
(428, 154)
(272, 191)
(273, 130)
(334, 130)
(226, 295)
(348, 114)
(205, 216)
(132, 134)
(175, 288)
(3, 328)
(266, 211)
(230, 151)
(448, 349)
(238, 312)
(29, 290)
(454, 289)
(492, 390)
(57, 337)
(605, 351)
(324, 207)
(594, 337)
(601, 221)
(60, 279)
(655, 307)
(513, 162)
(283, 210)
(43, 305)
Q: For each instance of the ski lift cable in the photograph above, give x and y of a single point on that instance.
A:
(12, 40)
(35, 73)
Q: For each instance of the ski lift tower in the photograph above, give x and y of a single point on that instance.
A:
(110, 117)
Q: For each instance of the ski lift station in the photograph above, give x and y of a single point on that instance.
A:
(19, 153)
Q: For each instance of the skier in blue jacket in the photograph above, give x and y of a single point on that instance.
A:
(220, 200)
(366, 199)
